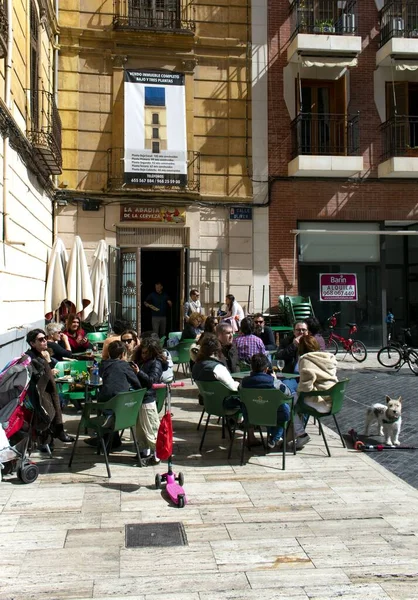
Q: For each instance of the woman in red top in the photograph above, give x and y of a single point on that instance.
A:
(76, 335)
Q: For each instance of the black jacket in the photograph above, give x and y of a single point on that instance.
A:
(151, 372)
(59, 352)
(230, 358)
(267, 337)
(190, 332)
(118, 376)
(288, 352)
(43, 393)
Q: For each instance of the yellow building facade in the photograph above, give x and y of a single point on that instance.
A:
(187, 229)
(30, 160)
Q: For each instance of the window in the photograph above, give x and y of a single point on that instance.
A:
(155, 133)
(402, 103)
(155, 147)
(34, 70)
(155, 119)
(154, 96)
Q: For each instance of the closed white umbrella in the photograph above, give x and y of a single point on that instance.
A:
(79, 290)
(56, 287)
(98, 274)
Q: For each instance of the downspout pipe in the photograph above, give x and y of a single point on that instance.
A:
(55, 84)
(6, 146)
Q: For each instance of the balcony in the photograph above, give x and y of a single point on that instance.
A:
(45, 135)
(116, 181)
(325, 145)
(398, 32)
(153, 15)
(400, 148)
(4, 29)
(323, 28)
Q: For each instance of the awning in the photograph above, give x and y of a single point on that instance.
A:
(329, 61)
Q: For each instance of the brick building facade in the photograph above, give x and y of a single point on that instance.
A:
(342, 154)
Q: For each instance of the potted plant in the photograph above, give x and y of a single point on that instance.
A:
(324, 26)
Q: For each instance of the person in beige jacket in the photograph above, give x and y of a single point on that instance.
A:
(318, 371)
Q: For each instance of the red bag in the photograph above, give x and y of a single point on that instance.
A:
(164, 445)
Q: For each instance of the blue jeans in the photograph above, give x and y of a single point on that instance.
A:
(283, 414)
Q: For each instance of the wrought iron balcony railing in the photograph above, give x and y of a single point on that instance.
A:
(115, 174)
(326, 134)
(400, 137)
(157, 15)
(4, 29)
(323, 17)
(45, 132)
(398, 18)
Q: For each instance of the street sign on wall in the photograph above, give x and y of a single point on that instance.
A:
(338, 287)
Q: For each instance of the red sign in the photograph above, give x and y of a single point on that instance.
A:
(338, 287)
(153, 214)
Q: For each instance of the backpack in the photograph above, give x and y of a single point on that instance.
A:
(164, 445)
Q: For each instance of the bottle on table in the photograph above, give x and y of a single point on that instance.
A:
(94, 376)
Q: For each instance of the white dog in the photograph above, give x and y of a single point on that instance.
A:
(388, 418)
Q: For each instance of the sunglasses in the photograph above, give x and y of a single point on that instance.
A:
(128, 341)
(40, 339)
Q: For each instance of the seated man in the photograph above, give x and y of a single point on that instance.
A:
(260, 378)
(248, 343)
(264, 332)
(229, 356)
(288, 349)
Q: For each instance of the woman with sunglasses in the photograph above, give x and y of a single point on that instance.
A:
(129, 337)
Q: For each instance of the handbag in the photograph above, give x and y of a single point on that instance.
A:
(164, 445)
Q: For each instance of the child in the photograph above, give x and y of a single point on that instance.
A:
(118, 376)
(260, 378)
(149, 364)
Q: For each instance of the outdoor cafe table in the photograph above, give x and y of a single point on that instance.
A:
(242, 374)
(88, 385)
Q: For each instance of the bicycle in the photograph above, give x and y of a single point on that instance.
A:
(396, 354)
(356, 348)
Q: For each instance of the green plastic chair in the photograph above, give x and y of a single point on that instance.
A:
(162, 341)
(183, 356)
(214, 394)
(261, 411)
(160, 398)
(126, 407)
(336, 393)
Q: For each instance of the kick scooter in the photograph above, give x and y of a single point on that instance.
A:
(174, 490)
(362, 447)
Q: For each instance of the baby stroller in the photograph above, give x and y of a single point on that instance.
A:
(16, 420)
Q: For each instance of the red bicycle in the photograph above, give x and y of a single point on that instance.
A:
(356, 348)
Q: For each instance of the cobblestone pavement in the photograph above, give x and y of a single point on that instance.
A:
(370, 383)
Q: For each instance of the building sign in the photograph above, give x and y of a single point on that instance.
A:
(155, 128)
(240, 213)
(338, 287)
(153, 214)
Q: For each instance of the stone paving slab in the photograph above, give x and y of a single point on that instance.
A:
(326, 528)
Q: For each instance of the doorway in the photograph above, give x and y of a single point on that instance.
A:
(166, 266)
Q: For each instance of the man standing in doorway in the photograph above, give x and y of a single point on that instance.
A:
(158, 302)
(193, 305)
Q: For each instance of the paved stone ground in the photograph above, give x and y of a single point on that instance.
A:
(369, 384)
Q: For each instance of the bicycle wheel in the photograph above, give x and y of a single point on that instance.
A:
(358, 351)
(389, 356)
(331, 346)
(413, 361)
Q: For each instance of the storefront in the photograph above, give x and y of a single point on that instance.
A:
(383, 257)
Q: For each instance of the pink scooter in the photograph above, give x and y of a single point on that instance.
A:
(174, 490)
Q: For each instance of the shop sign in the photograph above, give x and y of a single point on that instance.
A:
(338, 287)
(153, 214)
(240, 213)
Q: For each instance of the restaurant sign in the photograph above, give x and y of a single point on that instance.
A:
(153, 214)
(338, 287)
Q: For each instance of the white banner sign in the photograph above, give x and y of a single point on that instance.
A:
(155, 128)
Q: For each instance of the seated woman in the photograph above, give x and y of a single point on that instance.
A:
(58, 342)
(76, 335)
(210, 327)
(208, 365)
(318, 371)
(314, 329)
(193, 328)
(130, 338)
(247, 343)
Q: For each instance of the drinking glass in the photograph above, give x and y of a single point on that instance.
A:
(280, 365)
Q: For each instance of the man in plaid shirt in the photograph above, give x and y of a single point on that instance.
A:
(247, 343)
